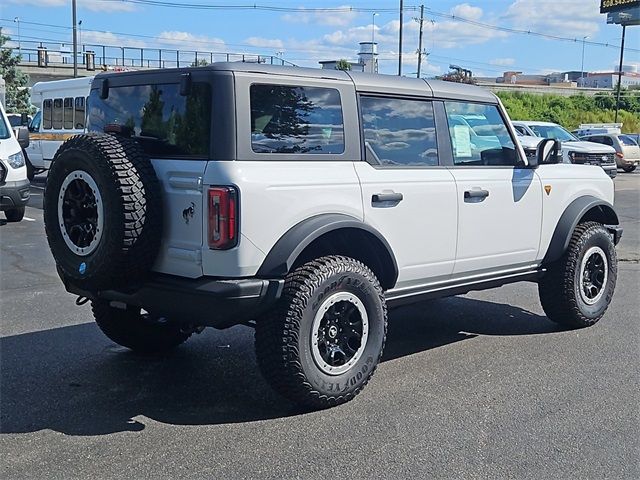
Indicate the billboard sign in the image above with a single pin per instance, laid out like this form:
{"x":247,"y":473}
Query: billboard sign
{"x":607,"y":6}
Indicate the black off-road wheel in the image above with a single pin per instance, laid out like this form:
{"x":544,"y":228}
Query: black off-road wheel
{"x":138,"y":331}
{"x":629,"y":168}
{"x":15,"y":214}
{"x":322,"y":343}
{"x":577,"y":289}
{"x":102,"y":211}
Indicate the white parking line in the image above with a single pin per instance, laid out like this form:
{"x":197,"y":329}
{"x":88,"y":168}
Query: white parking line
{"x":29,"y":219}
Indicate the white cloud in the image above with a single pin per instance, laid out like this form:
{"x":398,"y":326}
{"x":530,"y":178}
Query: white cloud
{"x":466,"y":11}
{"x":109,"y":38}
{"x":567,"y":17}
{"x":93,"y":5}
{"x":333,"y":19}
{"x":264,"y":42}
{"x":503,"y":62}
{"x":189,"y":41}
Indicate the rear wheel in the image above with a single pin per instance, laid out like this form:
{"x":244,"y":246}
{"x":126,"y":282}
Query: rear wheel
{"x":15,"y":214}
{"x":137,"y":330}
{"x":323,"y":342}
{"x":577,"y":289}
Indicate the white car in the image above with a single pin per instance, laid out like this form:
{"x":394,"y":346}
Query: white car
{"x":574,"y":150}
{"x":14,"y":185}
{"x":305,"y":206}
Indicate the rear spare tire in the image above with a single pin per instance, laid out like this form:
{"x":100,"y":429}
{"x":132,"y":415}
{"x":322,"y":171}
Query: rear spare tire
{"x":102,"y":211}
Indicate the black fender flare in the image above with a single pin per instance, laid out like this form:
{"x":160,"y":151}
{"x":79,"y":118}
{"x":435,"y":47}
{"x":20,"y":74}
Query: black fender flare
{"x":286,"y":250}
{"x":569,"y":219}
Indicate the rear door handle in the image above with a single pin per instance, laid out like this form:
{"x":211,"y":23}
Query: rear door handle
{"x":386,"y":197}
{"x":476,"y":193}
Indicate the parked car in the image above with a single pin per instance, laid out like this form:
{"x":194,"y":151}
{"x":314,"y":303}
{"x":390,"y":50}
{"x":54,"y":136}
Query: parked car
{"x":627,"y":149}
{"x":529,"y":144}
{"x":304,"y":206}
{"x":573,"y":149}
{"x":14,"y":185}
{"x":18,"y":119}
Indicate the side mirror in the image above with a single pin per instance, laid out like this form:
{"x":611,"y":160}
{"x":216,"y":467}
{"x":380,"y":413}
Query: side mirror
{"x":22,"y":134}
{"x":548,"y":152}
{"x":185,"y":84}
{"x":24,"y":120}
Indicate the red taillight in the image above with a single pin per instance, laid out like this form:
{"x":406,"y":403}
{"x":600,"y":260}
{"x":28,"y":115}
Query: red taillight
{"x":619,"y":155}
{"x":223,"y":231}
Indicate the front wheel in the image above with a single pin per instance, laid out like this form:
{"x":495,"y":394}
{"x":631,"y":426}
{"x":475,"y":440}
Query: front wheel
{"x":322,"y":344}
{"x":138,"y":331}
{"x":629,"y":168}
{"x":577,"y":289}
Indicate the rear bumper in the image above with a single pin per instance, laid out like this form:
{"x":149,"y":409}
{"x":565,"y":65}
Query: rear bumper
{"x":203,"y":301}
{"x":14,"y":194}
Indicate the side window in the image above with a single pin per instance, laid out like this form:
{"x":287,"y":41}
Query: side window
{"x":165,"y":123}
{"x":68,"y":113}
{"x":608,"y":141}
{"x":289,"y":119}
{"x":521,"y":130}
{"x":399,"y":131}
{"x":34,"y":126}
{"x":57,"y":113}
{"x":79,"y":113}
{"x":479,"y":135}
{"x":47,"y":114}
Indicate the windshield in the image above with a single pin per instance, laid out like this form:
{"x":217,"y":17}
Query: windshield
{"x":627,"y":140}
{"x":553,"y":131}
{"x":4,"y":129}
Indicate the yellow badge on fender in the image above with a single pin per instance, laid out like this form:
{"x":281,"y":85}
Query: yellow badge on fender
{"x":547,"y":188}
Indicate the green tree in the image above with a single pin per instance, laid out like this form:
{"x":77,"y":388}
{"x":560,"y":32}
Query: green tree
{"x":17,"y":93}
{"x":343,"y":64}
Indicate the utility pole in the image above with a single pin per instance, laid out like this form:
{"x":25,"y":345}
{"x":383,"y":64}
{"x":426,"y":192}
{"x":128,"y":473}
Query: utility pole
{"x":75,"y":38}
{"x":624,"y":28}
{"x":582,"y":66}
{"x":17,"y":20}
{"x":400,"y":40}
{"x":420,"y":41}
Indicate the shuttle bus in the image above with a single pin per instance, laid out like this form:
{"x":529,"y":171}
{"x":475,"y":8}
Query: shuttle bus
{"x":61,"y":114}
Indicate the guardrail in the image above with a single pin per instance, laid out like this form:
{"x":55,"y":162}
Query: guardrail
{"x":98,"y":56}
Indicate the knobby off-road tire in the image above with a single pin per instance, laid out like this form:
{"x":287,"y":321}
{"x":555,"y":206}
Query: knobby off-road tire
{"x":14,"y":214}
{"x":577,"y":289}
{"x":102,"y":211}
{"x":140,"y":332}
{"x":330,"y":305}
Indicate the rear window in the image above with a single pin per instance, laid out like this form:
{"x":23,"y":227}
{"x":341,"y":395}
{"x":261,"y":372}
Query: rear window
{"x":164,"y":122}
{"x":289,"y":119}
{"x":626,"y":140}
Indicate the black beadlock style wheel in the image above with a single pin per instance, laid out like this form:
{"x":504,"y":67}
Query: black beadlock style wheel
{"x":322,"y":343}
{"x":137,"y":330}
{"x":577,"y":289}
{"x":102,"y":211}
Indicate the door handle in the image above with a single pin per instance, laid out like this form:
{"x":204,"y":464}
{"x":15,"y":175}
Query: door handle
{"x":386,"y":197}
{"x":476,"y":193}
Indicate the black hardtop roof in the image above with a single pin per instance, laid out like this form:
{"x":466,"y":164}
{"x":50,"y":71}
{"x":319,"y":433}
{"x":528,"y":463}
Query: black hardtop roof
{"x":364,"y":82}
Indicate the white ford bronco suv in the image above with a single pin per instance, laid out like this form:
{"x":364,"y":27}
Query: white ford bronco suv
{"x":304,"y":203}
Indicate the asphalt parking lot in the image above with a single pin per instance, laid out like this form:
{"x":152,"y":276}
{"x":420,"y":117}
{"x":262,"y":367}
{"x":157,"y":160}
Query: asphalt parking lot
{"x":476,"y":386}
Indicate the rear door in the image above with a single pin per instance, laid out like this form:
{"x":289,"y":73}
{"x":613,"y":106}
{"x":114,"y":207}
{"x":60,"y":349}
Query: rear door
{"x":499,"y":201}
{"x":407,"y":194}
{"x":175,"y":131}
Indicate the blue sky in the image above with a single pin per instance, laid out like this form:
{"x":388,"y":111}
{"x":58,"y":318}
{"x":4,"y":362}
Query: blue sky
{"x":306,"y":36}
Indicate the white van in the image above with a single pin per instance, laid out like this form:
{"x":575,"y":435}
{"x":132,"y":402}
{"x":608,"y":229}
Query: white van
{"x":14,"y":186}
{"x":61,"y":114}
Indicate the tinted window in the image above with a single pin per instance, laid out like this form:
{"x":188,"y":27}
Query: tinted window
{"x":68,"y":113}
{"x":57,"y":113}
{"x":47,"y":114}
{"x":34,"y":126}
{"x":627,"y":140}
{"x":164,"y":122}
{"x":4,"y":129}
{"x":479,"y":135}
{"x":79,"y":113}
{"x":399,"y":132}
{"x":296,"y":120}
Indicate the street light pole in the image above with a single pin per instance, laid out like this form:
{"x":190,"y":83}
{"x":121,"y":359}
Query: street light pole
{"x":17,"y":20}
{"x":75,"y":38}
{"x":400,"y":39}
{"x":373,"y":42}
{"x":420,"y":41}
{"x":624,"y":29}
{"x":582,"y":67}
